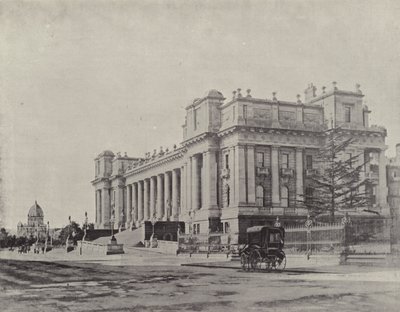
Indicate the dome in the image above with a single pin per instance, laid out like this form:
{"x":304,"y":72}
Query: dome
{"x":107,"y":153}
{"x":215,"y":94}
{"x":35,"y":211}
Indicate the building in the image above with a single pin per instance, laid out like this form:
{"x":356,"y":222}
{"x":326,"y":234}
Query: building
{"x":242,"y":162}
{"x":393,"y":182}
{"x":35,"y":226}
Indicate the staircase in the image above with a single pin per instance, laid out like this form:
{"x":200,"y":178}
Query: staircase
{"x":133,"y":238}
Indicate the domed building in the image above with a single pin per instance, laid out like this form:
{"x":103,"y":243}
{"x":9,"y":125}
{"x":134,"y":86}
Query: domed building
{"x":35,"y":225}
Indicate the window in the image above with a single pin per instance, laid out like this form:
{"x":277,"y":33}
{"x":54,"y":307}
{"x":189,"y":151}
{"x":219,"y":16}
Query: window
{"x":373,"y":198}
{"x":349,"y":156}
{"x":284,"y":197}
{"x":244,"y":112}
{"x":309,"y":195}
{"x":260,"y":196}
{"x":195,"y":118}
{"x":98,"y":167}
{"x":285,"y":160}
{"x":260,"y":160}
{"x":227,"y":161}
{"x":309,"y":162}
{"x":347,"y":114}
{"x":233,"y":113}
{"x":227,"y":227}
{"x":227,"y":196}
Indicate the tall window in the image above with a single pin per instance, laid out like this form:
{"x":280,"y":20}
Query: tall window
{"x":284,"y":197}
{"x":260,"y":196}
{"x":349,"y":156}
{"x":309,"y":195}
{"x":260,"y":160}
{"x":285,"y":160}
{"x":227,"y":161}
{"x":244,"y":112}
{"x":228,"y":196}
{"x":347,"y":114}
{"x":195,"y":117}
{"x":309,"y":162}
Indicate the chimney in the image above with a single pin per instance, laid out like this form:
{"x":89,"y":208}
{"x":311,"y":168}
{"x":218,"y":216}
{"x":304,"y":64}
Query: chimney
{"x":309,"y":93}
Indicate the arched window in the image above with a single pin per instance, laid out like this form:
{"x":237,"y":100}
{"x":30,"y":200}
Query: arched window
{"x":260,"y":196}
{"x":284,"y":197}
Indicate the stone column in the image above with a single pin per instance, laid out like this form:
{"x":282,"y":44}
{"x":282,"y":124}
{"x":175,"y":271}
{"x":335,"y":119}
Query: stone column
{"x":251,"y":179}
{"x":105,"y":207}
{"x":128,"y":206}
{"x":299,"y":175}
{"x":146,"y":208}
{"x":195,"y":182}
{"x":275,"y":176}
{"x":167,"y":195}
{"x":189,"y":185}
{"x":121,"y":212}
{"x":134,"y":212}
{"x":140,"y":206}
{"x":175,"y":194}
{"x":210,"y":180}
{"x":240,"y":176}
{"x":160,"y":197}
{"x":152,"y":197}
{"x":98,"y":209}
{"x":382,"y":187}
{"x":183,"y":189}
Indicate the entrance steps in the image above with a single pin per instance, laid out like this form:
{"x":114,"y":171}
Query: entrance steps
{"x":128,"y":238}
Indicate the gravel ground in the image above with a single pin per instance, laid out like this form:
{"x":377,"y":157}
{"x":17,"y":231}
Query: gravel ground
{"x":72,"y":286}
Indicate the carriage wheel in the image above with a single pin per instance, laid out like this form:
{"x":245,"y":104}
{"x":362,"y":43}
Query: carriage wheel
{"x":244,"y":261}
{"x":255,"y":260}
{"x":280,"y":263}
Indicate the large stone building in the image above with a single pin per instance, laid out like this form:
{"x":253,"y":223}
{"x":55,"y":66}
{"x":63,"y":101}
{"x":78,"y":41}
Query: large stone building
{"x":242,"y":161}
{"x":35,"y":226}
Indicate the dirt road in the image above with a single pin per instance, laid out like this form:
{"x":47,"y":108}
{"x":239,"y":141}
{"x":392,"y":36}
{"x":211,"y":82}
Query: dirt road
{"x":45,"y":286}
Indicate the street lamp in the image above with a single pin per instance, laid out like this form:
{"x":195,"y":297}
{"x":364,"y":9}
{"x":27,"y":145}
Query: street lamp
{"x":85,"y":225}
{"x":112,"y":220}
{"x":69,"y":230}
{"x":47,"y":236}
{"x":308,"y":225}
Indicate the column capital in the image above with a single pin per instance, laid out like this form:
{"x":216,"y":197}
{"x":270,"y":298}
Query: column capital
{"x":275,"y":147}
{"x":299,"y":149}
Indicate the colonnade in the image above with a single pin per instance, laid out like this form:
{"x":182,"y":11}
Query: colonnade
{"x":157,"y":197}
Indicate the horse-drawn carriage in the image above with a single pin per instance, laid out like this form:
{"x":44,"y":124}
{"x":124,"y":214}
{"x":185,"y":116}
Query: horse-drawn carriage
{"x":264,"y":249}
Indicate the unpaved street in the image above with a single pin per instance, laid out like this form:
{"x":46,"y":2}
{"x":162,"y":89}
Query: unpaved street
{"x":45,"y":286}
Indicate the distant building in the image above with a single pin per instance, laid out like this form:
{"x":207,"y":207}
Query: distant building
{"x":242,"y":162}
{"x":35,"y":225}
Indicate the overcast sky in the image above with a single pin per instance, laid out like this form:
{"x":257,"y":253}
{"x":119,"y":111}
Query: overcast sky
{"x":79,"y":77}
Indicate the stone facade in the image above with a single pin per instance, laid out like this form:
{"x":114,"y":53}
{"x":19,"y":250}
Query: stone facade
{"x":35,"y":226}
{"x":393,"y":181}
{"x":242,"y":162}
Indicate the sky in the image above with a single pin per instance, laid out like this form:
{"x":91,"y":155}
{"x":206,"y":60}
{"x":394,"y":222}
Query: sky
{"x":80,"y":77}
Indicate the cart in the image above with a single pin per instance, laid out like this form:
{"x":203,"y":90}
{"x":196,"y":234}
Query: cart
{"x":263,"y":250}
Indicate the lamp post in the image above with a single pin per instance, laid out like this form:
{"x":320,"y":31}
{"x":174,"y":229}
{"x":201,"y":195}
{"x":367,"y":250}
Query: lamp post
{"x":112,"y":220}
{"x":277,"y":222}
{"x":69,"y":230}
{"x":47,"y":236}
{"x":85,"y":225}
{"x":308,"y":225}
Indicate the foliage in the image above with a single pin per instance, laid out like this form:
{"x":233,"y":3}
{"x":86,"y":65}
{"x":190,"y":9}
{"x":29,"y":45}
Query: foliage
{"x":338,"y":184}
{"x":73,"y":230}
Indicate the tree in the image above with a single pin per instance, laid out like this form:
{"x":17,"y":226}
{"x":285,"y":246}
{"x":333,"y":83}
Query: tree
{"x":338,"y":184}
{"x":73,"y":230}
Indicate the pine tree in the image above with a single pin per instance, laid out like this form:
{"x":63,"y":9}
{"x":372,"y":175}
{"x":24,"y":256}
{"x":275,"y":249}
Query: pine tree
{"x":337,"y":184}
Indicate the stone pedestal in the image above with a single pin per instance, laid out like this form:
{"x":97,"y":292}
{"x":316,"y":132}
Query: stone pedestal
{"x":113,"y":248}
